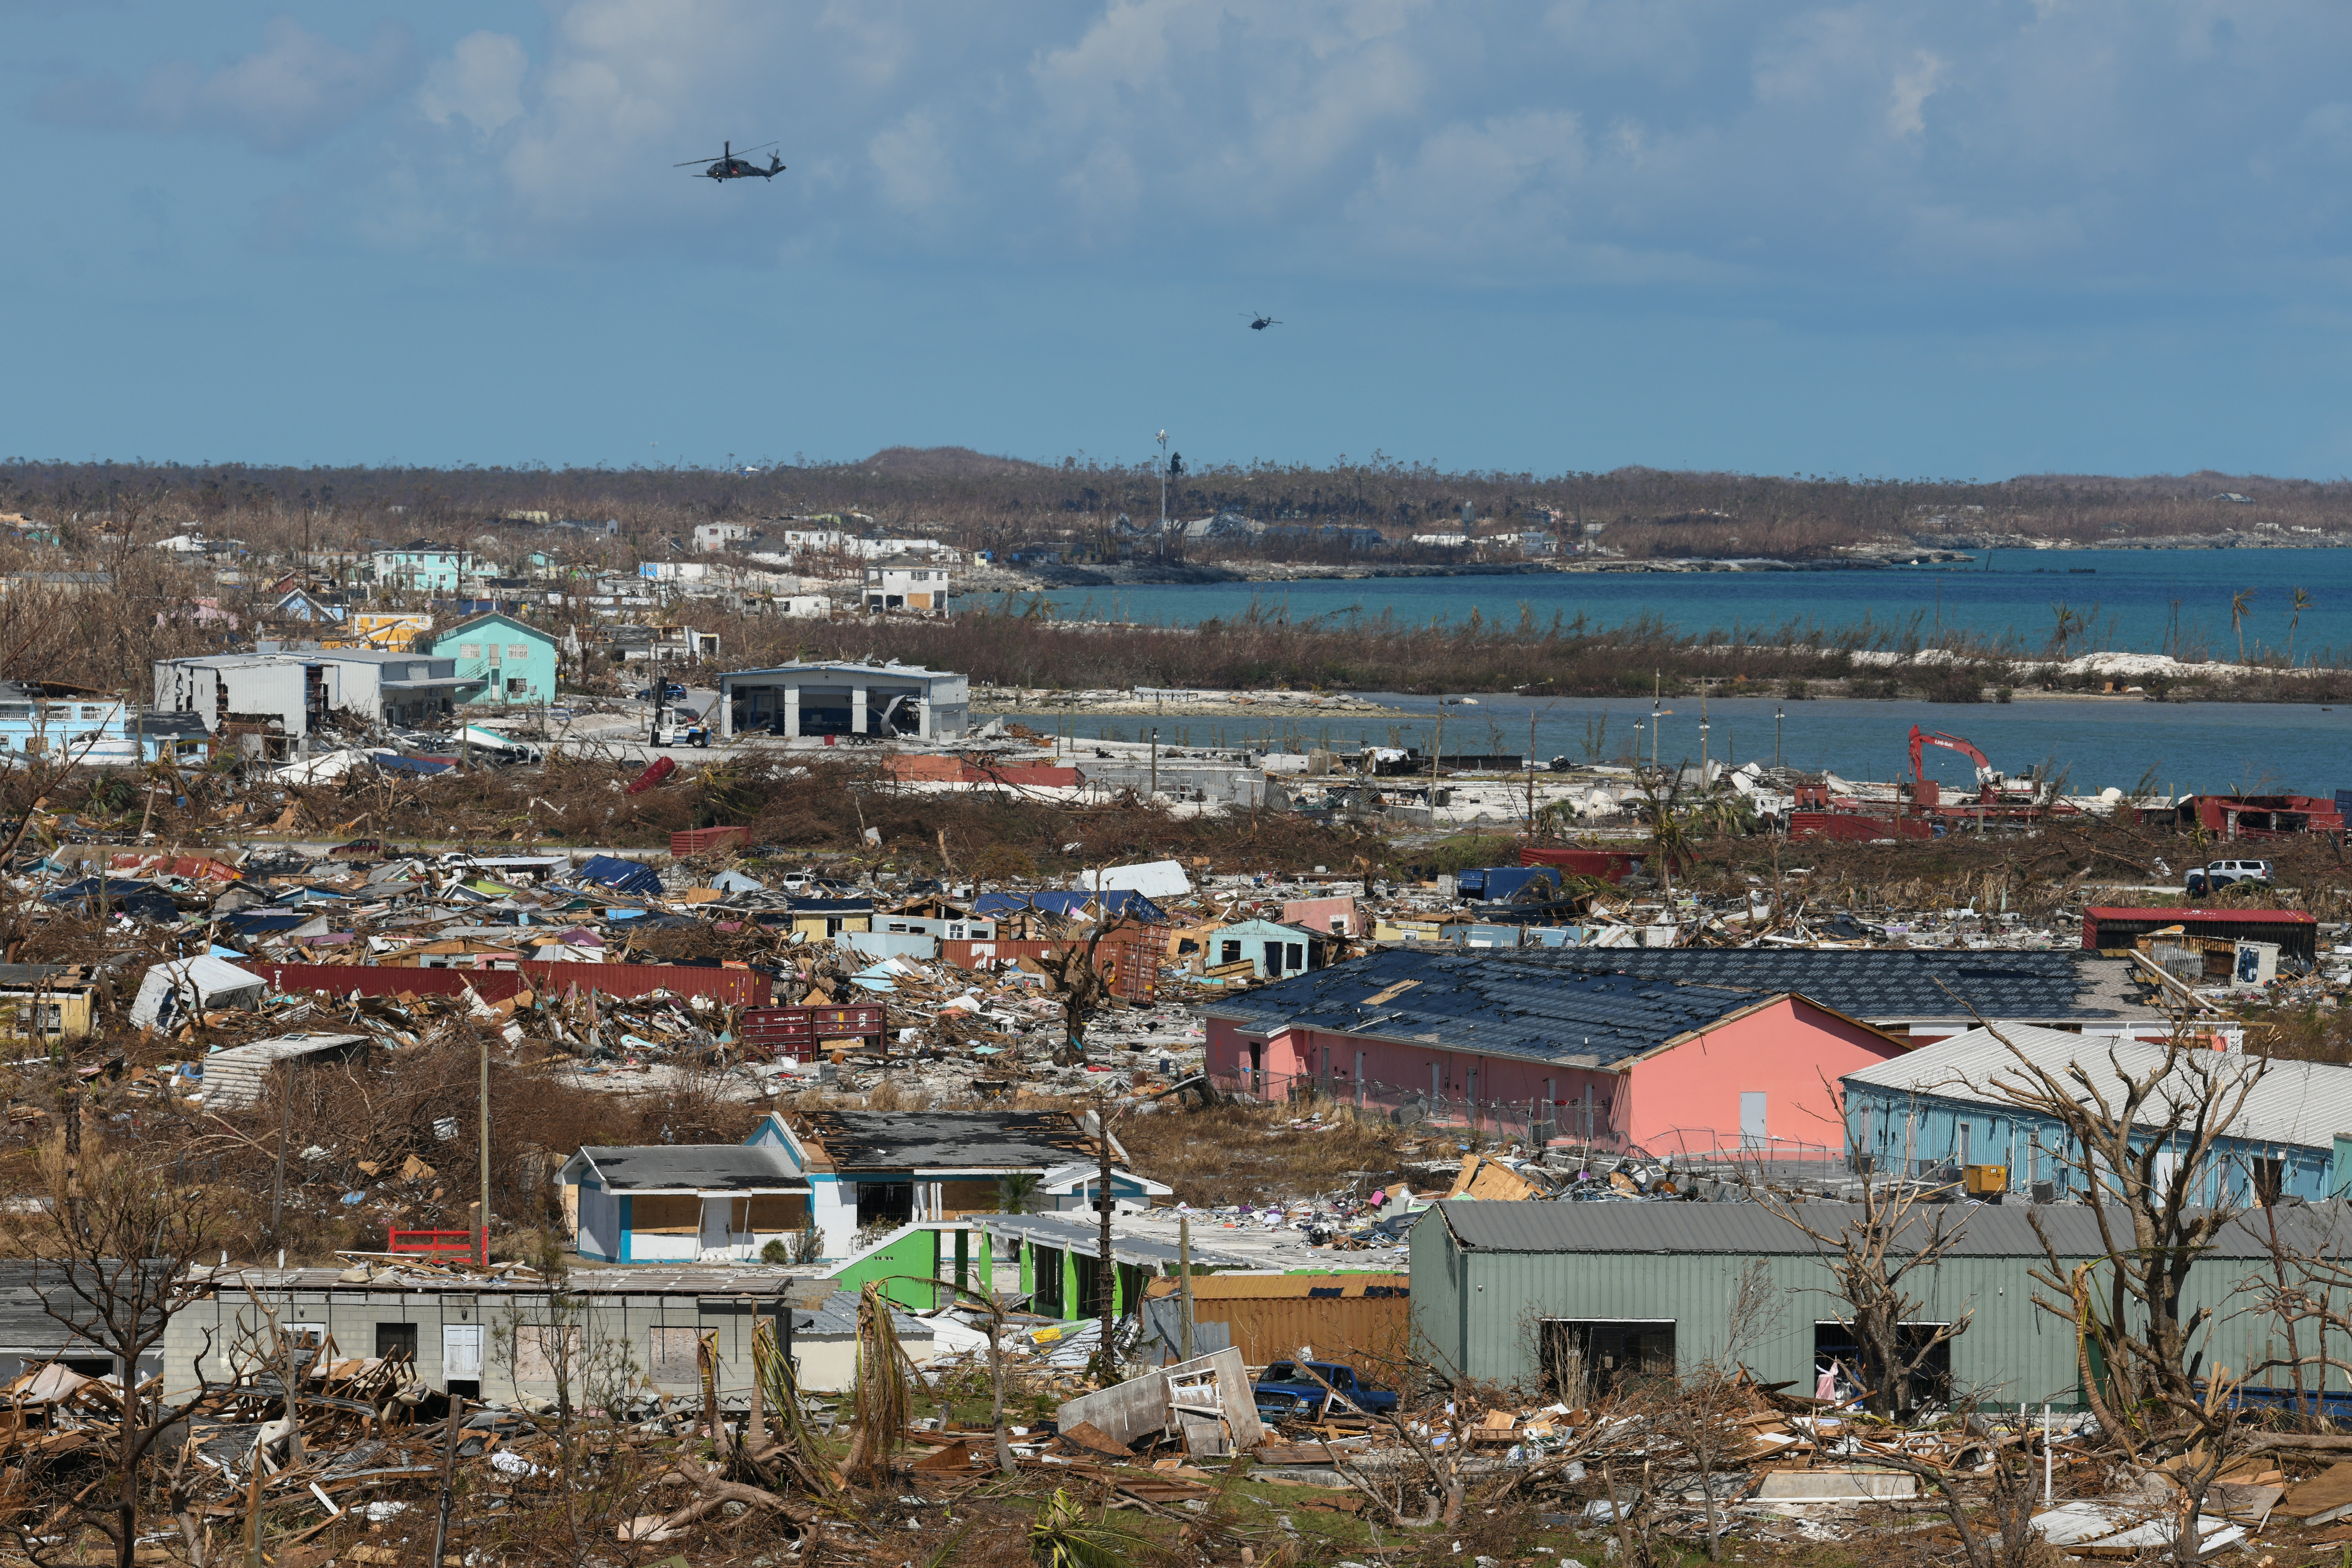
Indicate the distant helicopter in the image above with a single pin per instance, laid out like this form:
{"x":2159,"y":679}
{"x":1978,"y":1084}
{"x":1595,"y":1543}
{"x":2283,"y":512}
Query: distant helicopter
{"x":727,"y":166}
{"x":1259,"y":323}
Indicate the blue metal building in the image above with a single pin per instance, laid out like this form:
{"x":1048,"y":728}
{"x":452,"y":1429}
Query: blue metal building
{"x":1944,"y":1105}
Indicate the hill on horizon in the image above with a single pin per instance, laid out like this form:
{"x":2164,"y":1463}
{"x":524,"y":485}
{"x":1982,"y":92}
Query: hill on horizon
{"x":945,"y":463}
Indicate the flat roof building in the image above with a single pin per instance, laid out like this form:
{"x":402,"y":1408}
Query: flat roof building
{"x":902,"y":700}
{"x":295,"y":689}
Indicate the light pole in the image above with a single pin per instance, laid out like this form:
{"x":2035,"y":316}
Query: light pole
{"x":1777,"y":714}
{"x":1702,"y":734}
{"x":1162,"y":438}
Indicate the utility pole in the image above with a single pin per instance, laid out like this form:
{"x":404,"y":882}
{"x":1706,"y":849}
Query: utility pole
{"x":484,"y":1161}
{"x":285,"y":1134}
{"x":1163,"y":483}
{"x":1184,"y":1287}
{"x":1155,"y":765}
{"x":1105,"y":1271}
{"x":1779,"y":713}
{"x":1531,"y":773}
{"x":1702,"y":734}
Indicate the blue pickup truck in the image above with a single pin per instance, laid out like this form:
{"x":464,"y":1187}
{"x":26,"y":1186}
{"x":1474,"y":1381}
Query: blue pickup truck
{"x":1284,"y":1393}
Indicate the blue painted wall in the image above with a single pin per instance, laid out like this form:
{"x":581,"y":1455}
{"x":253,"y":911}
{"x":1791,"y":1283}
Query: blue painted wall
{"x":1900,"y":1130}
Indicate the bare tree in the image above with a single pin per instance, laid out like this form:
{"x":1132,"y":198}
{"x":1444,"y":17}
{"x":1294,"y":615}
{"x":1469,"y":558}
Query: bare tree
{"x":2143,"y":1130}
{"x":2144,"y":1135}
{"x":114,"y":1240}
{"x":1889,"y":1242}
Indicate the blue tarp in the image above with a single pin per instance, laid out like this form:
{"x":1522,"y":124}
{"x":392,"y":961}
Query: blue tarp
{"x":621,"y":875}
{"x":1117,"y":901}
{"x":260,"y":922}
{"x":393,"y":762}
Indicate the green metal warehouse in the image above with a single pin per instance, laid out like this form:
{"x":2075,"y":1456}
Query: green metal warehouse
{"x":1524,"y":1292}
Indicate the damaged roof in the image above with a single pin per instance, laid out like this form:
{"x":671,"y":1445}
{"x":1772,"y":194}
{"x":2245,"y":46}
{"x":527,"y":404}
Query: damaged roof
{"x":687,"y":1168}
{"x":1497,"y":1003}
{"x":1984,"y":1230}
{"x":1603,"y":1006}
{"x":949,"y":1140}
{"x":1882,"y":983}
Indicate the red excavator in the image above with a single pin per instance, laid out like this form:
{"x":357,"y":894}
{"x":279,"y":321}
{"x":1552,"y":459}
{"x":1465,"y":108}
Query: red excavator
{"x":1923,"y":790}
{"x":1995,"y":797}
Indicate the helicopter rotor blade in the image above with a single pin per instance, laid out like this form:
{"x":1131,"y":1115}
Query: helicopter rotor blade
{"x":762,"y":147}
{"x":714,"y":158}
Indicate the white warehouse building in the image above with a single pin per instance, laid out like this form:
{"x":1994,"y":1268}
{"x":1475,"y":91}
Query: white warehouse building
{"x":904,"y":700}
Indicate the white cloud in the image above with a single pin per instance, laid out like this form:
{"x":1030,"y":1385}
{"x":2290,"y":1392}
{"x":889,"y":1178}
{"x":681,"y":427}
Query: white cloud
{"x":297,"y":89}
{"x":911,"y":157}
{"x":481,"y":82}
{"x":1907,"y":111}
{"x":1719,"y":143}
{"x":1472,"y":190}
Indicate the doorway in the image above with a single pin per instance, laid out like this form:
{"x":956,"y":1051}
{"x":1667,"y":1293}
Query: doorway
{"x":461,"y":1359}
{"x":1585,"y":1359}
{"x":1930,"y":1380}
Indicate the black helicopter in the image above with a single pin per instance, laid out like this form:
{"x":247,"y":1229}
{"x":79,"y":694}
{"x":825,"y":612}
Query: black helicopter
{"x":1258,"y":322}
{"x":727,"y":166}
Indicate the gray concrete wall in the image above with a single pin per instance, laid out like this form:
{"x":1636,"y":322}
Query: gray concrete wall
{"x":616,"y":1330}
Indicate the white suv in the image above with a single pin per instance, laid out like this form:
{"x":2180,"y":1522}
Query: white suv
{"x":2221,"y":873}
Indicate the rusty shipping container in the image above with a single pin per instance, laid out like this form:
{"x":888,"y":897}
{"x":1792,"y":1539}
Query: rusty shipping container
{"x":1364,"y":1320}
{"x":701,"y":840}
{"x":1129,"y":961}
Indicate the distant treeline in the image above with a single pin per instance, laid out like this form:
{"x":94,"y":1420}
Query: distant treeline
{"x":1566,"y":656}
{"x":982,"y":502}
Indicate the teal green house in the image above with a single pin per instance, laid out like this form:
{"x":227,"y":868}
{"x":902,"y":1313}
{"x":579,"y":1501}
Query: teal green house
{"x":501,"y":661}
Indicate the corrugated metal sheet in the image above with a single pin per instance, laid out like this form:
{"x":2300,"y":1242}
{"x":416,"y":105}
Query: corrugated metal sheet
{"x":1247,"y":1287}
{"x":697,"y":840}
{"x":736,"y":987}
{"x":1480,"y":1311}
{"x":2301,"y":1103}
{"x":1988,"y":1230}
{"x":235,"y":1077}
{"x":1342,"y":1328}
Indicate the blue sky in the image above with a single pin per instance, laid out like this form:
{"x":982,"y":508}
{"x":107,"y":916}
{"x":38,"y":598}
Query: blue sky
{"x":1956,"y":239}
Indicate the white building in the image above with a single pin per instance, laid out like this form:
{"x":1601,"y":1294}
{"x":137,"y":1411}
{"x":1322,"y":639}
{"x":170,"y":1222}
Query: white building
{"x":907,"y":588}
{"x":884,"y":699}
{"x":719,"y":536}
{"x":803,"y":607}
{"x":292,"y":692}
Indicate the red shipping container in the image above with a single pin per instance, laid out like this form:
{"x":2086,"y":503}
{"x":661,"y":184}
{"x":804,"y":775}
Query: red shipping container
{"x":797,"y":1033}
{"x":702,"y":840}
{"x":1609,"y":865}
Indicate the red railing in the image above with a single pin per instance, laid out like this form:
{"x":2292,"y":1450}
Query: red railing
{"x":468,"y":1243}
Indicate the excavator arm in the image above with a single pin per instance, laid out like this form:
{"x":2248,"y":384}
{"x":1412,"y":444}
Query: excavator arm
{"x":1922,"y":739}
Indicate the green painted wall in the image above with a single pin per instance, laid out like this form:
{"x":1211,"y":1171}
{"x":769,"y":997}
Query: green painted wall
{"x":925,"y":1253}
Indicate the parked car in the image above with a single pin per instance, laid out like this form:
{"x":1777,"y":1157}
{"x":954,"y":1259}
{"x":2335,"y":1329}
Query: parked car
{"x":2215,"y":874}
{"x":1282,"y":1393}
{"x":671,"y":691}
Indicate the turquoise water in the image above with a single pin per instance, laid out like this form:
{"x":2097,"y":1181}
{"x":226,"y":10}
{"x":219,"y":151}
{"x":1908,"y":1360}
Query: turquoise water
{"x":2149,"y":601}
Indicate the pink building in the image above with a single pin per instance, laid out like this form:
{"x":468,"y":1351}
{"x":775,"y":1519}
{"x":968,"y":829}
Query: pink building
{"x":1669,"y":1067}
{"x":1337,"y":915}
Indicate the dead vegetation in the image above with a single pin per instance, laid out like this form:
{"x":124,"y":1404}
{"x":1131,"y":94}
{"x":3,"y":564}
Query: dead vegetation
{"x":1233,"y":1153}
